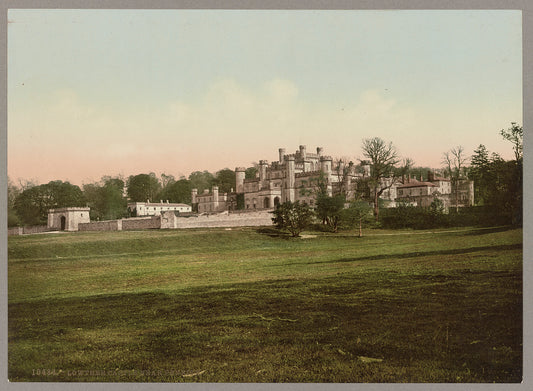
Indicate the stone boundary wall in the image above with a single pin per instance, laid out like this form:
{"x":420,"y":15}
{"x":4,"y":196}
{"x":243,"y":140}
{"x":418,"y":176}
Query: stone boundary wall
{"x":34,"y":229}
{"x":152,"y":222}
{"x":250,"y":219}
{"x":168,"y":220}
{"x":108,"y":225}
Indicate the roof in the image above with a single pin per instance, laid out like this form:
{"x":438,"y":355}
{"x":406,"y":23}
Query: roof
{"x":159,"y":204}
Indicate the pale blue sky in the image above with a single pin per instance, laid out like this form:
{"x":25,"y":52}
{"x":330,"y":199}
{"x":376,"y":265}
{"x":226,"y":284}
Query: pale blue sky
{"x":125,"y":91}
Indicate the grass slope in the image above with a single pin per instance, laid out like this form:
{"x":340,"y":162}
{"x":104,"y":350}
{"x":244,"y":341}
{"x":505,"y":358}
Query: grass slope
{"x":240,"y":306}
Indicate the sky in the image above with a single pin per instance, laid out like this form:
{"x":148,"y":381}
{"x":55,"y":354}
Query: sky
{"x":124,"y":92}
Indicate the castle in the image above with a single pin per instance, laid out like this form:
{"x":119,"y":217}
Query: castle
{"x":291,"y":178}
{"x":295,"y":177}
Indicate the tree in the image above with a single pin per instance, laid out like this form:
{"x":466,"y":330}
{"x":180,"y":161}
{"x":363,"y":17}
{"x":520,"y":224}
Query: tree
{"x":106,"y":199}
{"x":356,"y":214}
{"x":12,"y":193}
{"x":179,"y":191}
{"x":480,"y":174}
{"x":454,"y":161}
{"x":32,"y":204}
{"x":341,"y":169}
{"x":143,"y":187}
{"x":292,"y":216}
{"x":329,"y":209}
{"x":515,"y":134}
{"x":167,"y":180}
{"x":201,"y":180}
{"x":251,"y":172}
{"x":225,"y":180}
{"x":383,"y":168}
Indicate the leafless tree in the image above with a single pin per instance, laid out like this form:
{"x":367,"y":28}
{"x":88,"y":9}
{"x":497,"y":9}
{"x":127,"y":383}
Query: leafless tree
{"x":454,"y":161}
{"x":384,"y":169}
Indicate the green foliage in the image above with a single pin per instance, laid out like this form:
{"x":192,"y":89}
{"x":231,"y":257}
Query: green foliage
{"x":201,"y":180}
{"x":293,"y":217}
{"x":143,"y":187}
{"x":407,"y":216}
{"x":12,"y":193}
{"x":32,"y":204}
{"x":106,"y":199}
{"x":498,"y":183}
{"x":357,"y":214}
{"x":515,"y":134}
{"x":177,"y":191}
{"x":250,"y":173}
{"x":225,"y":180}
{"x":329,"y":209}
{"x":240,"y":201}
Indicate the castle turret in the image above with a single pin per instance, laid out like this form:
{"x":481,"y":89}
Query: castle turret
{"x":290,"y":195}
{"x":194,"y":193}
{"x":319,"y":151}
{"x":239,"y":179}
{"x":215,"y":198}
{"x":366,"y":168}
{"x":303,"y":153}
{"x":325,"y":167}
{"x":262,"y":170}
{"x":281,"y":154}
{"x":348,"y":179}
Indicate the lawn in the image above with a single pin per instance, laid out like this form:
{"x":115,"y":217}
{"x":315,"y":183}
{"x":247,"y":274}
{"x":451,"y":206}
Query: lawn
{"x":242,"y":305}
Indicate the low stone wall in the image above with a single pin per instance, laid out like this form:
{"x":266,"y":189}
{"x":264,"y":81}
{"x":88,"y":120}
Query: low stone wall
{"x":152,"y":222}
{"x":34,"y":229}
{"x":15,"y":231}
{"x":109,"y":225}
{"x":250,"y":219}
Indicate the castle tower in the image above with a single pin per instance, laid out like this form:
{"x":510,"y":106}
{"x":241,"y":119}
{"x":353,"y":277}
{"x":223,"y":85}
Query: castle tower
{"x":325,"y":166}
{"x":366,"y":168}
{"x":262,"y":171}
{"x":281,"y":154}
{"x":194,"y":193}
{"x":239,"y":179}
{"x":303,"y":153}
{"x":215,"y":198}
{"x":290,"y":194}
{"x":319,"y":151}
{"x":348,"y":181}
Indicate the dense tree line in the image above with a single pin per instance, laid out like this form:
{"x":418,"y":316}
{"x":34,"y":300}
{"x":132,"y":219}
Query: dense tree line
{"x":28,"y":203}
{"x":497,"y":187}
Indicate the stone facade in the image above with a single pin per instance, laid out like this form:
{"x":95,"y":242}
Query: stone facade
{"x":295,"y":177}
{"x":154,"y":209}
{"x":423,"y":193}
{"x":67,"y":219}
{"x":210,"y":202}
{"x":225,"y":219}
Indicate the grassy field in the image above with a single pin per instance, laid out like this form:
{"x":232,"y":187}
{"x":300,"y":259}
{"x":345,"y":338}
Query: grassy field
{"x":241,"y":305}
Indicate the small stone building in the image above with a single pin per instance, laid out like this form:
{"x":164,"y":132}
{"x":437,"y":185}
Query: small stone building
{"x":67,"y":219}
{"x":156,"y":208}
